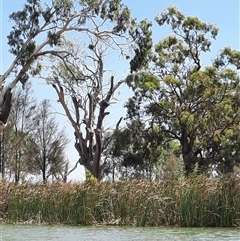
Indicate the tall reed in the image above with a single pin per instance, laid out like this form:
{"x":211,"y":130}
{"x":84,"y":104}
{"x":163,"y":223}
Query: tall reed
{"x":193,"y":202}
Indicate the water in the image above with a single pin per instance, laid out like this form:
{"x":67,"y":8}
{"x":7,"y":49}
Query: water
{"x":73,"y":233}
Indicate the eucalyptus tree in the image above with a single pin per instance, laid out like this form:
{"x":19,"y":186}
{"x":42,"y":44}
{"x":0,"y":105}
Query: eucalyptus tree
{"x":86,"y":89}
{"x":86,"y":86}
{"x":196,"y":105}
{"x":40,"y":27}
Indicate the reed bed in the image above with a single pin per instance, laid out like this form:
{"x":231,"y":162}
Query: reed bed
{"x":192,"y":202}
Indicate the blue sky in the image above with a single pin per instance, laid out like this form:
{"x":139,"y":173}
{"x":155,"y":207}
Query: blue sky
{"x":224,"y":14}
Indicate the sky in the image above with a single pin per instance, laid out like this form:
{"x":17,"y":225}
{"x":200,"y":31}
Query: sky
{"x":224,"y":14}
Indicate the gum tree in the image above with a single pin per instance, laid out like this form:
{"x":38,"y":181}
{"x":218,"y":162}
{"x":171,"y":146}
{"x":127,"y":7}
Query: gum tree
{"x":38,"y":32}
{"x":83,"y":81}
{"x":85,"y":90}
{"x":196,"y":105}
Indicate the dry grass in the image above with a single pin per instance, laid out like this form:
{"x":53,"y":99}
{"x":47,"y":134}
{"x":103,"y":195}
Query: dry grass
{"x":193,"y":202}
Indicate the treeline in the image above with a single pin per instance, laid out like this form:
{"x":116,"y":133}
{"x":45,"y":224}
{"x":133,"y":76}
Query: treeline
{"x":183,"y":116}
{"x":32,"y":147}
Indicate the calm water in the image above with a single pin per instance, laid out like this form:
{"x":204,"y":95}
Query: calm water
{"x":69,"y":233}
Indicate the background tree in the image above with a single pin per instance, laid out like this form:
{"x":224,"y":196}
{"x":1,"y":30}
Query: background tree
{"x":15,"y":135}
{"x":137,"y":151}
{"x":194,"y":105}
{"x":24,"y":155}
{"x":138,"y":148}
{"x":22,"y":121}
{"x":47,"y":145}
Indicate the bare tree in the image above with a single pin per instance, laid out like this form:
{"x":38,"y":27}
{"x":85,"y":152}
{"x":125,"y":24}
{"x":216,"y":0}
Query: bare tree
{"x":85,"y":90}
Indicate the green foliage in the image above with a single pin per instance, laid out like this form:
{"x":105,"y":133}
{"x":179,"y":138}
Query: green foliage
{"x":145,"y":81}
{"x":198,"y":107}
{"x":90,"y":179}
{"x":26,"y":26}
{"x":139,"y":157}
{"x":187,"y":26}
{"x":142,"y":36}
{"x":54,"y":39}
{"x":41,"y":24}
{"x":63,"y":7}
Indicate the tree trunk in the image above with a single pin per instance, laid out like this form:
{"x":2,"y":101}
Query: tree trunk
{"x":44,"y":168}
{"x":2,"y":157}
{"x":187,"y":141}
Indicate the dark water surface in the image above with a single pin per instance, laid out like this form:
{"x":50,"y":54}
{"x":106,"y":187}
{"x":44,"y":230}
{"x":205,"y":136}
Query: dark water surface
{"x":73,"y":233}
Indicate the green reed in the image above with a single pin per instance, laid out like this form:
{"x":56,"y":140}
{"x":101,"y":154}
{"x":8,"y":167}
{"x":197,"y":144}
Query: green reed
{"x":192,"y":202}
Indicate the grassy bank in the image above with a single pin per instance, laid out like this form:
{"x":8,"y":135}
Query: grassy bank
{"x":194,"y":202}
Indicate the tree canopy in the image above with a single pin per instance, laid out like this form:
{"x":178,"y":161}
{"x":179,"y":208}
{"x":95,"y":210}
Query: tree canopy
{"x":40,"y":26}
{"x":196,"y":105}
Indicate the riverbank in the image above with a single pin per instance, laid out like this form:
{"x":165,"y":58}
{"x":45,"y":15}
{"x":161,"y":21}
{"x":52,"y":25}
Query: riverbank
{"x":192,"y":202}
